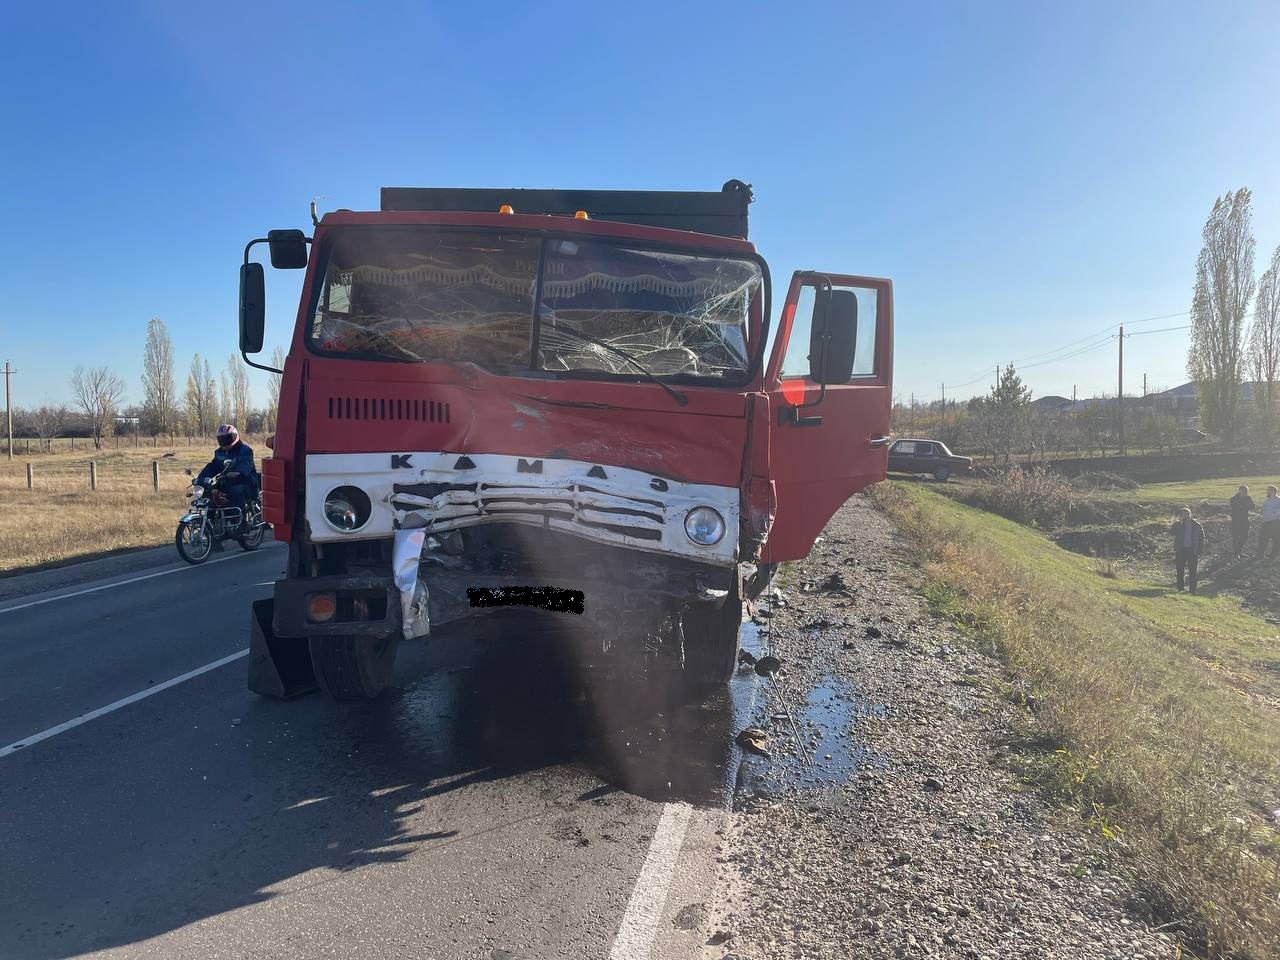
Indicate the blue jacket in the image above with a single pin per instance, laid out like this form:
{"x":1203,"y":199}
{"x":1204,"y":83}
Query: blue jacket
{"x":241,"y":456}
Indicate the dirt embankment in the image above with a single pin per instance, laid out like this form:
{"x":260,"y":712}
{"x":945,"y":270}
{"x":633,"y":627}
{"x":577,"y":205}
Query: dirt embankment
{"x":888,"y":819}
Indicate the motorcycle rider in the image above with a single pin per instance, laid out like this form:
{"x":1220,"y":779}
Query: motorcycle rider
{"x":240,"y":483}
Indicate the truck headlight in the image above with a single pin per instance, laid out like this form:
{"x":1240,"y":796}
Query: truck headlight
{"x":704,"y":526}
{"x":347,"y":508}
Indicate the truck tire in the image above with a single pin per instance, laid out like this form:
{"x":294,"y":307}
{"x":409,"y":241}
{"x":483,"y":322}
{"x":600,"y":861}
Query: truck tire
{"x":711,"y":641}
{"x":353,"y":668}
{"x":942,"y":474}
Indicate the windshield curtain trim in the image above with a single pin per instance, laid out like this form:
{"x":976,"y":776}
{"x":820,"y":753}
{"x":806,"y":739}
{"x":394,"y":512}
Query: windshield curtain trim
{"x":755,"y":360}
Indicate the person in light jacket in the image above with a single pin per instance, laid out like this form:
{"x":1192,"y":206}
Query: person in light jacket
{"x":1269,"y":532}
{"x":1188,"y":542}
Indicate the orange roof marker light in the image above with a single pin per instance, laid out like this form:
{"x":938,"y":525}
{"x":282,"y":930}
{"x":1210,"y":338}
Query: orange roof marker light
{"x":506,"y":208}
{"x":582,"y":215}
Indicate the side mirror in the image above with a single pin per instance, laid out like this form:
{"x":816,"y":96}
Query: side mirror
{"x":253,"y":307}
{"x":833,"y":339}
{"x":288,"y":249}
{"x":187,"y":471}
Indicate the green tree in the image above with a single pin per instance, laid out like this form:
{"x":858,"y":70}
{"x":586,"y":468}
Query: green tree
{"x":1224,"y":287}
{"x":1001,"y":419}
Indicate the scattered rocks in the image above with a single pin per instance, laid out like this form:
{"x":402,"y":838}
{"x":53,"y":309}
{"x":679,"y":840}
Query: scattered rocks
{"x":926,"y":846}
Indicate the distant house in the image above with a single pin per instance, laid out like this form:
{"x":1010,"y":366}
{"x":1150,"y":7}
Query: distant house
{"x":1184,"y":401}
{"x":1050,"y":404}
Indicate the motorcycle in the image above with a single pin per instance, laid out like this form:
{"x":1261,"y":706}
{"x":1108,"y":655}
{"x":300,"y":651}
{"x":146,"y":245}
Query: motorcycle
{"x":210,"y":519}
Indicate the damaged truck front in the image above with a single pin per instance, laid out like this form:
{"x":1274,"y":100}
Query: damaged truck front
{"x":552,"y":399}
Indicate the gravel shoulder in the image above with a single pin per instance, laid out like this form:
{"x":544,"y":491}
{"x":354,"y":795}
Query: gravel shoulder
{"x":887,"y":819}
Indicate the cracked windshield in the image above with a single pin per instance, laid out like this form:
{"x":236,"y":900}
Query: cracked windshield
{"x":470,"y":297}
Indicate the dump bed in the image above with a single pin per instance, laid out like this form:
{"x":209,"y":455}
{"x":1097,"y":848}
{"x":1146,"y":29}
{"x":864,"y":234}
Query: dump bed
{"x":722,"y":212}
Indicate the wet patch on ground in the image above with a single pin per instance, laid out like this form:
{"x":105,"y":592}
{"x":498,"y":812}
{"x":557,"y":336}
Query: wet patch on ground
{"x":499,"y":707}
{"x":814,"y":746}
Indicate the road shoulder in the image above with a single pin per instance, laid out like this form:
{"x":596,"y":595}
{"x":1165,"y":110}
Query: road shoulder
{"x":888,"y":819}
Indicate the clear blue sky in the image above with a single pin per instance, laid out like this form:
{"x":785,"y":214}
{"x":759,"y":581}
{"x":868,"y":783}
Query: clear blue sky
{"x":1027,"y":173}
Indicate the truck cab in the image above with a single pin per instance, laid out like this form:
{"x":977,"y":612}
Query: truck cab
{"x":560,"y":400}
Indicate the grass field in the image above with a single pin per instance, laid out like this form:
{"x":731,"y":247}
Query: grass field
{"x":1195,"y":492}
{"x":62,"y":519}
{"x":1155,"y":714}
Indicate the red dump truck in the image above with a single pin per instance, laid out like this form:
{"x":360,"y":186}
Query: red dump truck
{"x":563,"y":399}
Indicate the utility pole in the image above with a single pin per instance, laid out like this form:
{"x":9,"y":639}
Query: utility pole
{"x":8,"y":404}
{"x":944,"y":404}
{"x":1144,"y":386}
{"x":1120,"y":395}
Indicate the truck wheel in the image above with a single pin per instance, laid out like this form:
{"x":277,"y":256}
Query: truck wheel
{"x":942,"y":474}
{"x":711,"y":641}
{"x":353,"y":668}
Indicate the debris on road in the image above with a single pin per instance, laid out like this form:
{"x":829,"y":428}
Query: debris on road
{"x":755,"y":740}
{"x":767,"y":666}
{"x":833,"y":858}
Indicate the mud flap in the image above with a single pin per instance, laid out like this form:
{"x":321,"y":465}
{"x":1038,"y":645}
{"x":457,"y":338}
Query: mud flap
{"x":279,"y":667}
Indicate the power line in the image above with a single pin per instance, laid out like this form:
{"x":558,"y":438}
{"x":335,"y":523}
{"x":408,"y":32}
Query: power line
{"x":1081,"y":346}
{"x":1143,"y":333}
{"x":1069,"y":356}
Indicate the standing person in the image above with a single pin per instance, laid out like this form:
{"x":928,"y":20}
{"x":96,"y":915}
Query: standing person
{"x":1241,"y":506}
{"x":1188,"y":541}
{"x":1269,"y":533}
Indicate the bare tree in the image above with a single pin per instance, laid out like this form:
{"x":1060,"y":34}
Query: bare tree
{"x":158,"y":391}
{"x":97,"y":391}
{"x":48,"y":420}
{"x":273,"y":392}
{"x":235,"y":391}
{"x":201,"y":398}
{"x":1224,"y":287}
{"x":1264,"y":340}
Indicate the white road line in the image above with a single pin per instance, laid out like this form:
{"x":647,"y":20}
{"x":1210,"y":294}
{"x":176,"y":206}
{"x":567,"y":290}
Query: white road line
{"x":119,"y":583}
{"x":132,"y":698}
{"x":649,"y":896}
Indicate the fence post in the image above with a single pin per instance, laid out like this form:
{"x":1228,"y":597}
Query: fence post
{"x":93,"y":474}
{"x":155,"y":475}
{"x":31,"y":476}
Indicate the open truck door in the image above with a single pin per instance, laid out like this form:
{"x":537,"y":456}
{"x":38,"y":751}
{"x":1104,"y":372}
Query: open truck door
{"x":830,"y":383}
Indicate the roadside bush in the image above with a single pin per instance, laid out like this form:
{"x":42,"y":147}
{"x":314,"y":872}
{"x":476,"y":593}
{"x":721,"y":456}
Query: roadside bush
{"x":1033,"y":496}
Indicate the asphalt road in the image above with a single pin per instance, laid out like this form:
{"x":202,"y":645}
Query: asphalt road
{"x":486,"y":807}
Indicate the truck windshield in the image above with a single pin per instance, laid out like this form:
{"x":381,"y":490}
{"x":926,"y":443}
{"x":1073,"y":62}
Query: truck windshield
{"x":512,"y":302}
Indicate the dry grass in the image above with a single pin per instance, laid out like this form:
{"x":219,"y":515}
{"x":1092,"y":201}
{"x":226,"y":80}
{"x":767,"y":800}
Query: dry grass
{"x":62,"y":519}
{"x":1161,"y":711}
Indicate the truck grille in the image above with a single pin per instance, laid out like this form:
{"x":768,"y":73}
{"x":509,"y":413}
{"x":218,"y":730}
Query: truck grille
{"x":561,"y":505}
{"x":388,"y":408}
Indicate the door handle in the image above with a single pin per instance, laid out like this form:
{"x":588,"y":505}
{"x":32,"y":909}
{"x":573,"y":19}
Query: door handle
{"x":793,"y":416}
{"x":879,"y":441}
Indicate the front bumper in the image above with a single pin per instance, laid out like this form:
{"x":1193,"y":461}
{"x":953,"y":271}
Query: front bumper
{"x":369,"y":604}
{"x":604,"y":504}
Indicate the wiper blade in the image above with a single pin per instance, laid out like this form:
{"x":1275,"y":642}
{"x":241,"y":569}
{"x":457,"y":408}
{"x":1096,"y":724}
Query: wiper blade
{"x":675,"y":394}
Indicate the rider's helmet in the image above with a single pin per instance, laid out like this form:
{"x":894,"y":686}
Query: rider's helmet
{"x":228,"y":435}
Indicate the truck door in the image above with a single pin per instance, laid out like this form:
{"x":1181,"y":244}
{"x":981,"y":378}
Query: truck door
{"x":826,"y":441}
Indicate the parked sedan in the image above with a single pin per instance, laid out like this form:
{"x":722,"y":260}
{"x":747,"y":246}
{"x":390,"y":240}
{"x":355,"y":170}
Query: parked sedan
{"x":926,"y":456}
